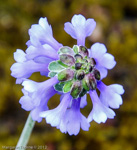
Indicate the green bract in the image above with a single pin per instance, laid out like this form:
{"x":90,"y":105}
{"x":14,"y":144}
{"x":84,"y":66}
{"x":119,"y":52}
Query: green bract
{"x":75,"y":71}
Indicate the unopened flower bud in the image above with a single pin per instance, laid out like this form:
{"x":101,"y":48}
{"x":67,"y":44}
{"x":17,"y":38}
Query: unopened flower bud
{"x":90,"y":68}
{"x":67,"y":59}
{"x":66,"y":50}
{"x":80,"y":75}
{"x":66,"y":75}
{"x":83,"y":51}
{"x":85,"y":83}
{"x":92,"y":82}
{"x":78,"y":57}
{"x":78,"y":66}
{"x":83,"y":92}
{"x":97,"y":74}
{"x":92,"y":61}
{"x":76,"y":89}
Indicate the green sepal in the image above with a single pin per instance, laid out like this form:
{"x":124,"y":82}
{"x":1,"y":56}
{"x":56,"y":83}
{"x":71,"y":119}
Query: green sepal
{"x":52,"y":74}
{"x":67,"y":87}
{"x":54,"y":66}
{"x":76,"y":49}
{"x":59,"y":86}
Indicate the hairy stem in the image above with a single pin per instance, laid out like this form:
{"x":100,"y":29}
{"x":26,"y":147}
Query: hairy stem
{"x":25,"y":135}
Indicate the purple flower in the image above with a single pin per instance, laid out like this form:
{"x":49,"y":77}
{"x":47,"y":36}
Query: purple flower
{"x":74,"y":73}
{"x":111,"y":95}
{"x":100,"y":112}
{"x":103,"y":60}
{"x":80,"y":28}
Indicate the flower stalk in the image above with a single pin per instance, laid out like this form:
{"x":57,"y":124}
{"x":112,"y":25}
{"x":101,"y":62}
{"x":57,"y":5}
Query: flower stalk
{"x":25,"y":135}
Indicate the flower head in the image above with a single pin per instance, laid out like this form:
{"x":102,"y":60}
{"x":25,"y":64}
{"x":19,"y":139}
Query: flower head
{"x":74,"y":72}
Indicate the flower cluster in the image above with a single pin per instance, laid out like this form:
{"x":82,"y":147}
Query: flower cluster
{"x":74,"y":72}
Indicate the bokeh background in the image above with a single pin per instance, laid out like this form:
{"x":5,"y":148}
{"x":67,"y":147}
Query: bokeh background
{"x":116,"y":28}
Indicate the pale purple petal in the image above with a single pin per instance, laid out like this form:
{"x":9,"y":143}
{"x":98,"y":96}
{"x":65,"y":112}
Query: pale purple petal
{"x":43,"y":22}
{"x":19,"y":55}
{"x":76,"y":119}
{"x":54,"y":116}
{"x":19,"y":81}
{"x":108,"y":61}
{"x":80,"y":28}
{"x":40,"y":90}
{"x":103,"y":71}
{"x":70,"y":30}
{"x":43,"y":50}
{"x":90,"y":26}
{"x":36,"y":96}
{"x":26,"y":103}
{"x":98,"y":50}
{"x":34,"y":41}
{"x":35,"y":112}
{"x":28,"y":43}
{"x":42,"y":34}
{"x":83,"y":101}
{"x":30,"y":85}
{"x":103,"y":59}
{"x":100,"y":112}
{"x":43,"y":60}
{"x":117,"y":88}
{"x":111,"y":95}
{"x":73,"y":120}
{"x":84,"y":123}
{"x":25,"y":69}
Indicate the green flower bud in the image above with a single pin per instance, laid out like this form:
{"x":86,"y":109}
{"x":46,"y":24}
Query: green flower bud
{"x":67,"y":87}
{"x":83,"y":92}
{"x":78,"y":58}
{"x":66,"y":75}
{"x":85,"y":83}
{"x":92,"y":81}
{"x":78,"y":66}
{"x":97,"y":74}
{"x":80,"y":75}
{"x":67,"y":59}
{"x":90,"y":68}
{"x":83,"y":51}
{"x":92,"y":61}
{"x":66,"y":50}
{"x":76,"y":89}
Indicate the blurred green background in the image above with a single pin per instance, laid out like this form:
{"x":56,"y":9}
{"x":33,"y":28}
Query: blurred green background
{"x":116,"y":28}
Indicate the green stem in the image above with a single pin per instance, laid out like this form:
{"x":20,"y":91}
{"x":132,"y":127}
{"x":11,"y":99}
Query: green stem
{"x":25,"y":135}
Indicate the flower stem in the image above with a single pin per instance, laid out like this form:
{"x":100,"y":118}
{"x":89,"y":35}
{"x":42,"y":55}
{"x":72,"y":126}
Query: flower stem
{"x":25,"y":135}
